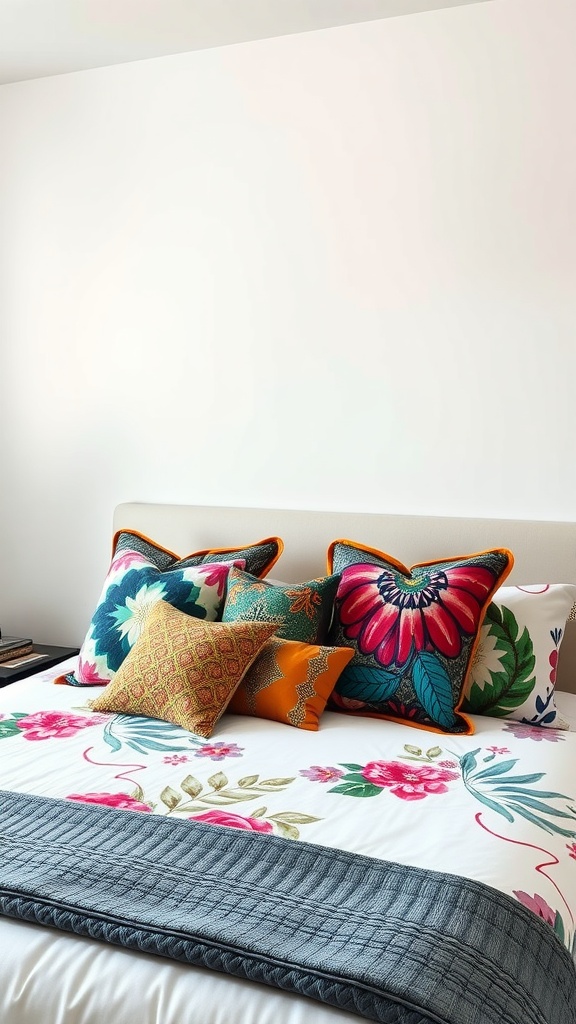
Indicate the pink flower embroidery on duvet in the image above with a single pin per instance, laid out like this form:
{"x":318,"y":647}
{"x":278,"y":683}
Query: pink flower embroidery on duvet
{"x":43,"y":725}
{"x":409,"y":782}
{"x":233,"y":820}
{"x":538,"y":905}
{"x":316,"y":773}
{"x":121,"y":800}
{"x":218,"y":751}
{"x":521,"y":731}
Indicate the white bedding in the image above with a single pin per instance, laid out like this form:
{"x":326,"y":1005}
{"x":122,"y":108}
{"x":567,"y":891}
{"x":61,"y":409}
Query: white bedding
{"x":408,"y":802}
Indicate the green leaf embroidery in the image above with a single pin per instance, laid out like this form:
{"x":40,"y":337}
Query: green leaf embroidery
{"x":356,"y":789}
{"x":353,"y":777}
{"x":559,"y":928}
{"x":510,"y":686}
{"x":9,"y":727}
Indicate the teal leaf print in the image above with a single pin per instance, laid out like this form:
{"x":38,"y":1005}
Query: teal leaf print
{"x":368,"y":683}
{"x":493,"y":805}
{"x":504,"y":766}
{"x":146,"y":734}
{"x":543,"y":794}
{"x":538,"y":805}
{"x":514,"y":795}
{"x":468,"y":762}
{"x":433,"y":688}
{"x":510,"y":686}
{"x":521,"y":780}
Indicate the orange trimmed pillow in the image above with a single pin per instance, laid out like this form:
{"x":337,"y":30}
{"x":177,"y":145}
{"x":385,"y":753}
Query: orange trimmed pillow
{"x":182,"y":669}
{"x":143,"y":572}
{"x":290,"y":682}
{"x":414,"y":631}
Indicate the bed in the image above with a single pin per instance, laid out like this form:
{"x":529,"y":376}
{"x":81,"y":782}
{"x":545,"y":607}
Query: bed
{"x":457,"y":837}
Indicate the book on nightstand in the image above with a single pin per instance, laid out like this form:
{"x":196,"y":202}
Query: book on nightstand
{"x":14,"y":647}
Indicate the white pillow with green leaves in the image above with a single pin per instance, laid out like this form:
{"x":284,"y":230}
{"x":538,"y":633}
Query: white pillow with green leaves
{"x":513,"y":672}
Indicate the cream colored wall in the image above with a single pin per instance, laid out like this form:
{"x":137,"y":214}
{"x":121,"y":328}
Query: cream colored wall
{"x":334,"y":270}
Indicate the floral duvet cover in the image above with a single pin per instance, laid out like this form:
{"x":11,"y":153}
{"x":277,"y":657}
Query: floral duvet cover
{"x":498,"y":807}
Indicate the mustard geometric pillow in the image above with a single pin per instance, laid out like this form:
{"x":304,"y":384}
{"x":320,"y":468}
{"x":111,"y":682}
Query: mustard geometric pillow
{"x":182,"y":669}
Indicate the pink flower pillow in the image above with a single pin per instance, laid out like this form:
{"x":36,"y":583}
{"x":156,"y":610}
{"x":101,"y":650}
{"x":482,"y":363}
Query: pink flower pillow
{"x":413,"y":630}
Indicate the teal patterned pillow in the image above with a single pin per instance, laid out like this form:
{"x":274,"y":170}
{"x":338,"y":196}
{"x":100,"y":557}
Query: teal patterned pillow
{"x":141,"y":574}
{"x":414,"y":631}
{"x":305,"y":609}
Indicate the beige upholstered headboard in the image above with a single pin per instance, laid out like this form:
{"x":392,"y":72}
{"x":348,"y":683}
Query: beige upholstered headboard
{"x":544,"y":552}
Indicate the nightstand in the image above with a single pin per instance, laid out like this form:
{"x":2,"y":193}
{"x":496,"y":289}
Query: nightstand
{"x":50,"y":656}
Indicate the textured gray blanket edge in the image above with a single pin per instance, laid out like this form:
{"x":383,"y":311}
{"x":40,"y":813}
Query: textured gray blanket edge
{"x":388,"y":943}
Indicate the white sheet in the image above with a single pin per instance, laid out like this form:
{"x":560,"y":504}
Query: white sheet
{"x":274,"y":777}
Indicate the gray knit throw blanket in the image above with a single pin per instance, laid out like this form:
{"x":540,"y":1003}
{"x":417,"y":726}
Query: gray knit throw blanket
{"x":389,"y":943}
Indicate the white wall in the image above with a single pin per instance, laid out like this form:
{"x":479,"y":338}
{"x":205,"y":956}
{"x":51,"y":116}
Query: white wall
{"x":335,"y":270}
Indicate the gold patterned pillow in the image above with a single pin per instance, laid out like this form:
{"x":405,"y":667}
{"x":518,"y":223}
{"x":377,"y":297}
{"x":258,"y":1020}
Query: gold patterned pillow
{"x":290,"y":682}
{"x":182,"y":669}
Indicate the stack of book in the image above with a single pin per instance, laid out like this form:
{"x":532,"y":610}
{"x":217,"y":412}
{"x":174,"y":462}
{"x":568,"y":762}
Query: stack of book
{"x":14,"y":647}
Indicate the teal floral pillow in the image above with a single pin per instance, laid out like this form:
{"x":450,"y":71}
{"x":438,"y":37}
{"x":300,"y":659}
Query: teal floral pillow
{"x":304,"y":609}
{"x":141,"y":574}
{"x":513,"y":673}
{"x":414,"y":631}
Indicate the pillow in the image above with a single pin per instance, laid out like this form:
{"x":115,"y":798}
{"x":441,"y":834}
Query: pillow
{"x":414,"y":632}
{"x":257,"y":558}
{"x":140,"y":574}
{"x":183,"y":669}
{"x":290,"y":682}
{"x":513,"y":671}
{"x":303,"y":609}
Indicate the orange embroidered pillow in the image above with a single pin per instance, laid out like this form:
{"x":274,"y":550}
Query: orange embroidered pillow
{"x":183,"y":669}
{"x":290,"y":682}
